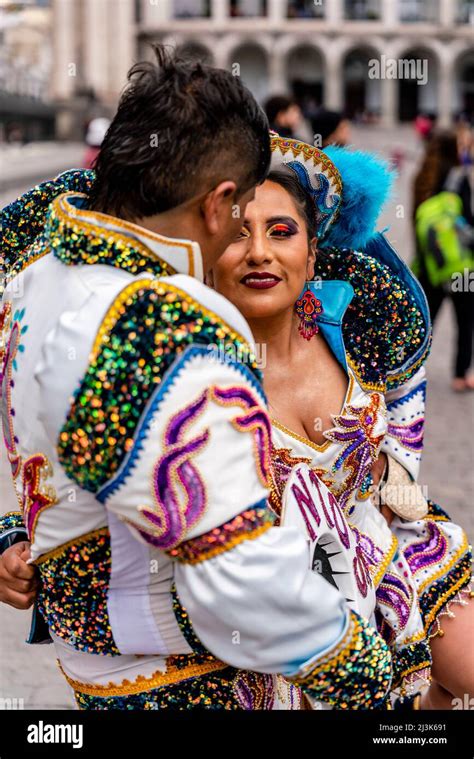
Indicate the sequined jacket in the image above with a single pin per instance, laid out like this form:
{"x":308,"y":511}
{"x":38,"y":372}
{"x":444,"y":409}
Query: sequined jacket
{"x":140,"y":454}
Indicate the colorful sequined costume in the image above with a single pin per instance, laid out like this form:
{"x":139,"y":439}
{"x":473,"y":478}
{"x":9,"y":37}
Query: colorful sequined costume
{"x":376,"y":322}
{"x":141,"y":461}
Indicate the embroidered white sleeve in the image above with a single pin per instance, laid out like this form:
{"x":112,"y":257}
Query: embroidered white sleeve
{"x":406,"y":418}
{"x":201,"y":452}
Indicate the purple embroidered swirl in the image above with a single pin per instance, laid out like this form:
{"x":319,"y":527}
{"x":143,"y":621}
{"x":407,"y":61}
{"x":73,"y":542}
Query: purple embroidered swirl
{"x":409,"y":435}
{"x":429,"y":551}
{"x":175,"y":474}
{"x":394,"y":593}
{"x":172,"y":519}
{"x":355,"y":432}
{"x":255,"y":420}
{"x":373,"y":554}
{"x":254,"y":691}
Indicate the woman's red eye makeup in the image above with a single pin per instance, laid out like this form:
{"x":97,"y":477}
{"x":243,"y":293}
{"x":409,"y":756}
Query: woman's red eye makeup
{"x":283,"y":229}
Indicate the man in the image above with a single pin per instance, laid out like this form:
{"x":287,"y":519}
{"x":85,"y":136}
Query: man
{"x":284,"y":115}
{"x":330,"y":128}
{"x":141,"y":456}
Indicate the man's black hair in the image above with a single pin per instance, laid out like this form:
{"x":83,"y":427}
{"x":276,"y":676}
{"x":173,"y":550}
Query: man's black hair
{"x":181,"y":128}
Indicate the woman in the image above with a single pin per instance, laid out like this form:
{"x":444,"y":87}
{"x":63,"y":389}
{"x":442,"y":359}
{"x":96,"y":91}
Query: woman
{"x":345,"y":390}
{"x":441,"y":173}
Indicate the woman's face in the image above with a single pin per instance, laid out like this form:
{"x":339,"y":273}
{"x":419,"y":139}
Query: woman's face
{"x":263,"y":272}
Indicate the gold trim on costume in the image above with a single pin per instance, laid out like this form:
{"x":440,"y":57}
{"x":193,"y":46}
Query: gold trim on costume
{"x":416,"y":668}
{"x":180,"y":555}
{"x":14,"y":272}
{"x":421,"y":635}
{"x":162,"y":288}
{"x":319,"y":159}
{"x":444,"y":570}
{"x":12,"y":514}
{"x":128,"y":226}
{"x":385,"y":561}
{"x":56,"y":552}
{"x":142,"y":683}
{"x":378,"y":387}
{"x":113,"y":313}
{"x":444,"y":598}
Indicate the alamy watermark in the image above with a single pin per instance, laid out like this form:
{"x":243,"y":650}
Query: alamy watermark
{"x":229,"y":352}
{"x":399,"y":68}
{"x":42,"y":732}
{"x":462,"y":281}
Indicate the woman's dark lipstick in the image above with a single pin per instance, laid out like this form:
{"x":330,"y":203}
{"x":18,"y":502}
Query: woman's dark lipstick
{"x":260,"y":280}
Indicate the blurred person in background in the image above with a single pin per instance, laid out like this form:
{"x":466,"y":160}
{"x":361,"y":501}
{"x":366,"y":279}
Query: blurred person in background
{"x":424,"y":125}
{"x":443,"y":212}
{"x":95,"y":136}
{"x":332,"y":128}
{"x":284,"y":115}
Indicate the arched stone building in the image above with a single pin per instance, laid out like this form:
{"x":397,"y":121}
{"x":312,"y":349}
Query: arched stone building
{"x":313,"y":49}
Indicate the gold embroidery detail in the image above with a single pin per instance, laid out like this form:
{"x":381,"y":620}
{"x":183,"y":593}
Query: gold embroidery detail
{"x":416,"y":668}
{"x":386,"y":561}
{"x":443,"y":599}
{"x":319,"y":159}
{"x":55,"y":553}
{"x":175,"y":553}
{"x":36,"y":471}
{"x":127,"y":226}
{"x":337,"y":655}
{"x":444,"y":570}
{"x":161,"y":288}
{"x":421,"y":635}
{"x":164,"y":288}
{"x":142,"y":683}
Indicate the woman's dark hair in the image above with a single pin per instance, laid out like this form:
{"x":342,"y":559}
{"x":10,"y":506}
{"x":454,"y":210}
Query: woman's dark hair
{"x":181,"y":128}
{"x":441,"y":155}
{"x":302,"y":199}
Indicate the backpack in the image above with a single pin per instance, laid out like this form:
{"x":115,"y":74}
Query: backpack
{"x":439,"y":225}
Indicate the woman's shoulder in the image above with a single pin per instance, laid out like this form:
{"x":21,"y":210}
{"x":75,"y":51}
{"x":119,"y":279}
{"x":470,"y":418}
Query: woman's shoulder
{"x":386,"y":326}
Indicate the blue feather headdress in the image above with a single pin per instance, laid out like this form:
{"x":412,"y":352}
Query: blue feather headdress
{"x":367,"y":182}
{"x":348,"y":188}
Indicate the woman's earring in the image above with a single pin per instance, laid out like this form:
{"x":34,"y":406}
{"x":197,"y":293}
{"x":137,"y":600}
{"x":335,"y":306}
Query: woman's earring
{"x":308,"y":308}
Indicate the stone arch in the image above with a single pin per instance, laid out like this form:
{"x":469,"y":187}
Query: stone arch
{"x":463,"y":90}
{"x":362,"y":94}
{"x":418,"y":77}
{"x":249,"y":60}
{"x":306,"y":74}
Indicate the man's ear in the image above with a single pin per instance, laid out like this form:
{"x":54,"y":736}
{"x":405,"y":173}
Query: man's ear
{"x":313,"y":249}
{"x":217,"y":204}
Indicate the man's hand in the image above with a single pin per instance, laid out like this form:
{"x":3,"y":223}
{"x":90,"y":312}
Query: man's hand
{"x":18,"y":580}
